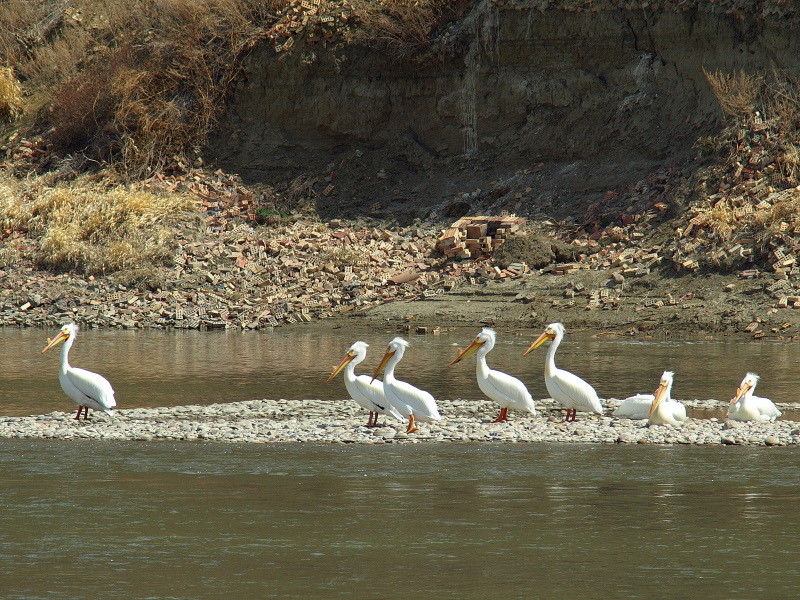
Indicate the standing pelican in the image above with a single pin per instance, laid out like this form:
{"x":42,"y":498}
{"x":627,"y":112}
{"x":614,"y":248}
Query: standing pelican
{"x":639,"y":406}
{"x":507,"y":391}
{"x":411,"y":402}
{"x":746,"y":407}
{"x":367,"y":394}
{"x":568,"y":389}
{"x":665,"y":410}
{"x":87,"y":389}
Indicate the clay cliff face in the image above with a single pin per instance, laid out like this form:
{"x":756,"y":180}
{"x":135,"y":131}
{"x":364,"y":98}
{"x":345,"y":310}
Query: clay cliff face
{"x":600,"y":98}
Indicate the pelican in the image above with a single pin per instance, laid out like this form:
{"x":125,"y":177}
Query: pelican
{"x":665,"y":410}
{"x":638,"y":406}
{"x":507,"y":391}
{"x":87,"y":389}
{"x":411,"y":402}
{"x":635,"y":407}
{"x":568,"y":389}
{"x":746,"y":407}
{"x":367,"y":394}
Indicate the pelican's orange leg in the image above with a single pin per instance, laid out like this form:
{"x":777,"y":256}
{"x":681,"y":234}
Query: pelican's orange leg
{"x":503,"y":416}
{"x":411,"y":427}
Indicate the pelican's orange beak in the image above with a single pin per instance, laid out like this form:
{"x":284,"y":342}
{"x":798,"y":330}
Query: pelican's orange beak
{"x":539,"y":341}
{"x":739,"y":393}
{"x":657,"y":400}
{"x":386,"y":358}
{"x":350,"y":356}
{"x":59,"y":338}
{"x":471,"y":349}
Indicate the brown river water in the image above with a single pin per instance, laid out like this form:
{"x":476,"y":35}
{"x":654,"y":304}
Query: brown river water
{"x":83,"y":519}
{"x":572,"y":521}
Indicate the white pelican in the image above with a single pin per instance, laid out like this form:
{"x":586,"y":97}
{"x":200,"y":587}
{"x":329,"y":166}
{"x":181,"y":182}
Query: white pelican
{"x":87,"y":389}
{"x":564,"y":387}
{"x":665,"y":410}
{"x":635,"y":407}
{"x":638,"y":406}
{"x":411,"y":402}
{"x":746,"y":407}
{"x":507,"y":391}
{"x":367,"y":394}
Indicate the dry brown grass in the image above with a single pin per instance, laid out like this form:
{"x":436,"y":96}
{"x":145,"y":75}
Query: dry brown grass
{"x":93,"y":224}
{"x":10,"y":95}
{"x":403,"y":27}
{"x":138,"y":84}
{"x":131,"y":83}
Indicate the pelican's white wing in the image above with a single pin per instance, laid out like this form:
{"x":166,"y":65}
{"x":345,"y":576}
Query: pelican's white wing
{"x":372,"y":396}
{"x":766,"y":408}
{"x":507,"y":391}
{"x":96,"y":388}
{"x":755,"y":408}
{"x":573,"y":392}
{"x":635,"y":407}
{"x":420,"y":402}
{"x":677,"y":410}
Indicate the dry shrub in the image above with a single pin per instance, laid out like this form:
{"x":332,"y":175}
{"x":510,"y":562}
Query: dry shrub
{"x":736,"y":92}
{"x":94,"y":225}
{"x":80,"y":111}
{"x":141,"y":108}
{"x":166,"y":102}
{"x":139,"y":84}
{"x":10,"y":95}
{"x":772,"y":102}
{"x":403,"y":27}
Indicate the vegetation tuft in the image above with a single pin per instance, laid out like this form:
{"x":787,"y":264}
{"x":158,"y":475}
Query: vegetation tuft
{"x":94,"y":225}
{"x":762,"y":149}
{"x":138,"y":85}
{"x":10,"y":96}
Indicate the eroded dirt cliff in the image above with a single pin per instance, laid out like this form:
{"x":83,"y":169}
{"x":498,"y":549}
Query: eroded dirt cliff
{"x":587,"y":101}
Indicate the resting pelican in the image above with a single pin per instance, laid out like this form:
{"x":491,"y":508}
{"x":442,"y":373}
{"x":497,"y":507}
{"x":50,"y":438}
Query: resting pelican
{"x":87,"y":389}
{"x":411,"y":402}
{"x":507,"y":391}
{"x":665,"y":410}
{"x":746,"y":407}
{"x":367,"y":394}
{"x":568,"y":389}
{"x":638,"y":406}
{"x":635,"y":407}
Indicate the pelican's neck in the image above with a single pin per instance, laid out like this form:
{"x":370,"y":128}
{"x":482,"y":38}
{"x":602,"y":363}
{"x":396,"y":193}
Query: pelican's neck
{"x":388,"y":372}
{"x":64,"y":363}
{"x":550,"y":361}
{"x":350,"y":370}
{"x":481,"y":366}
{"x":665,"y":398}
